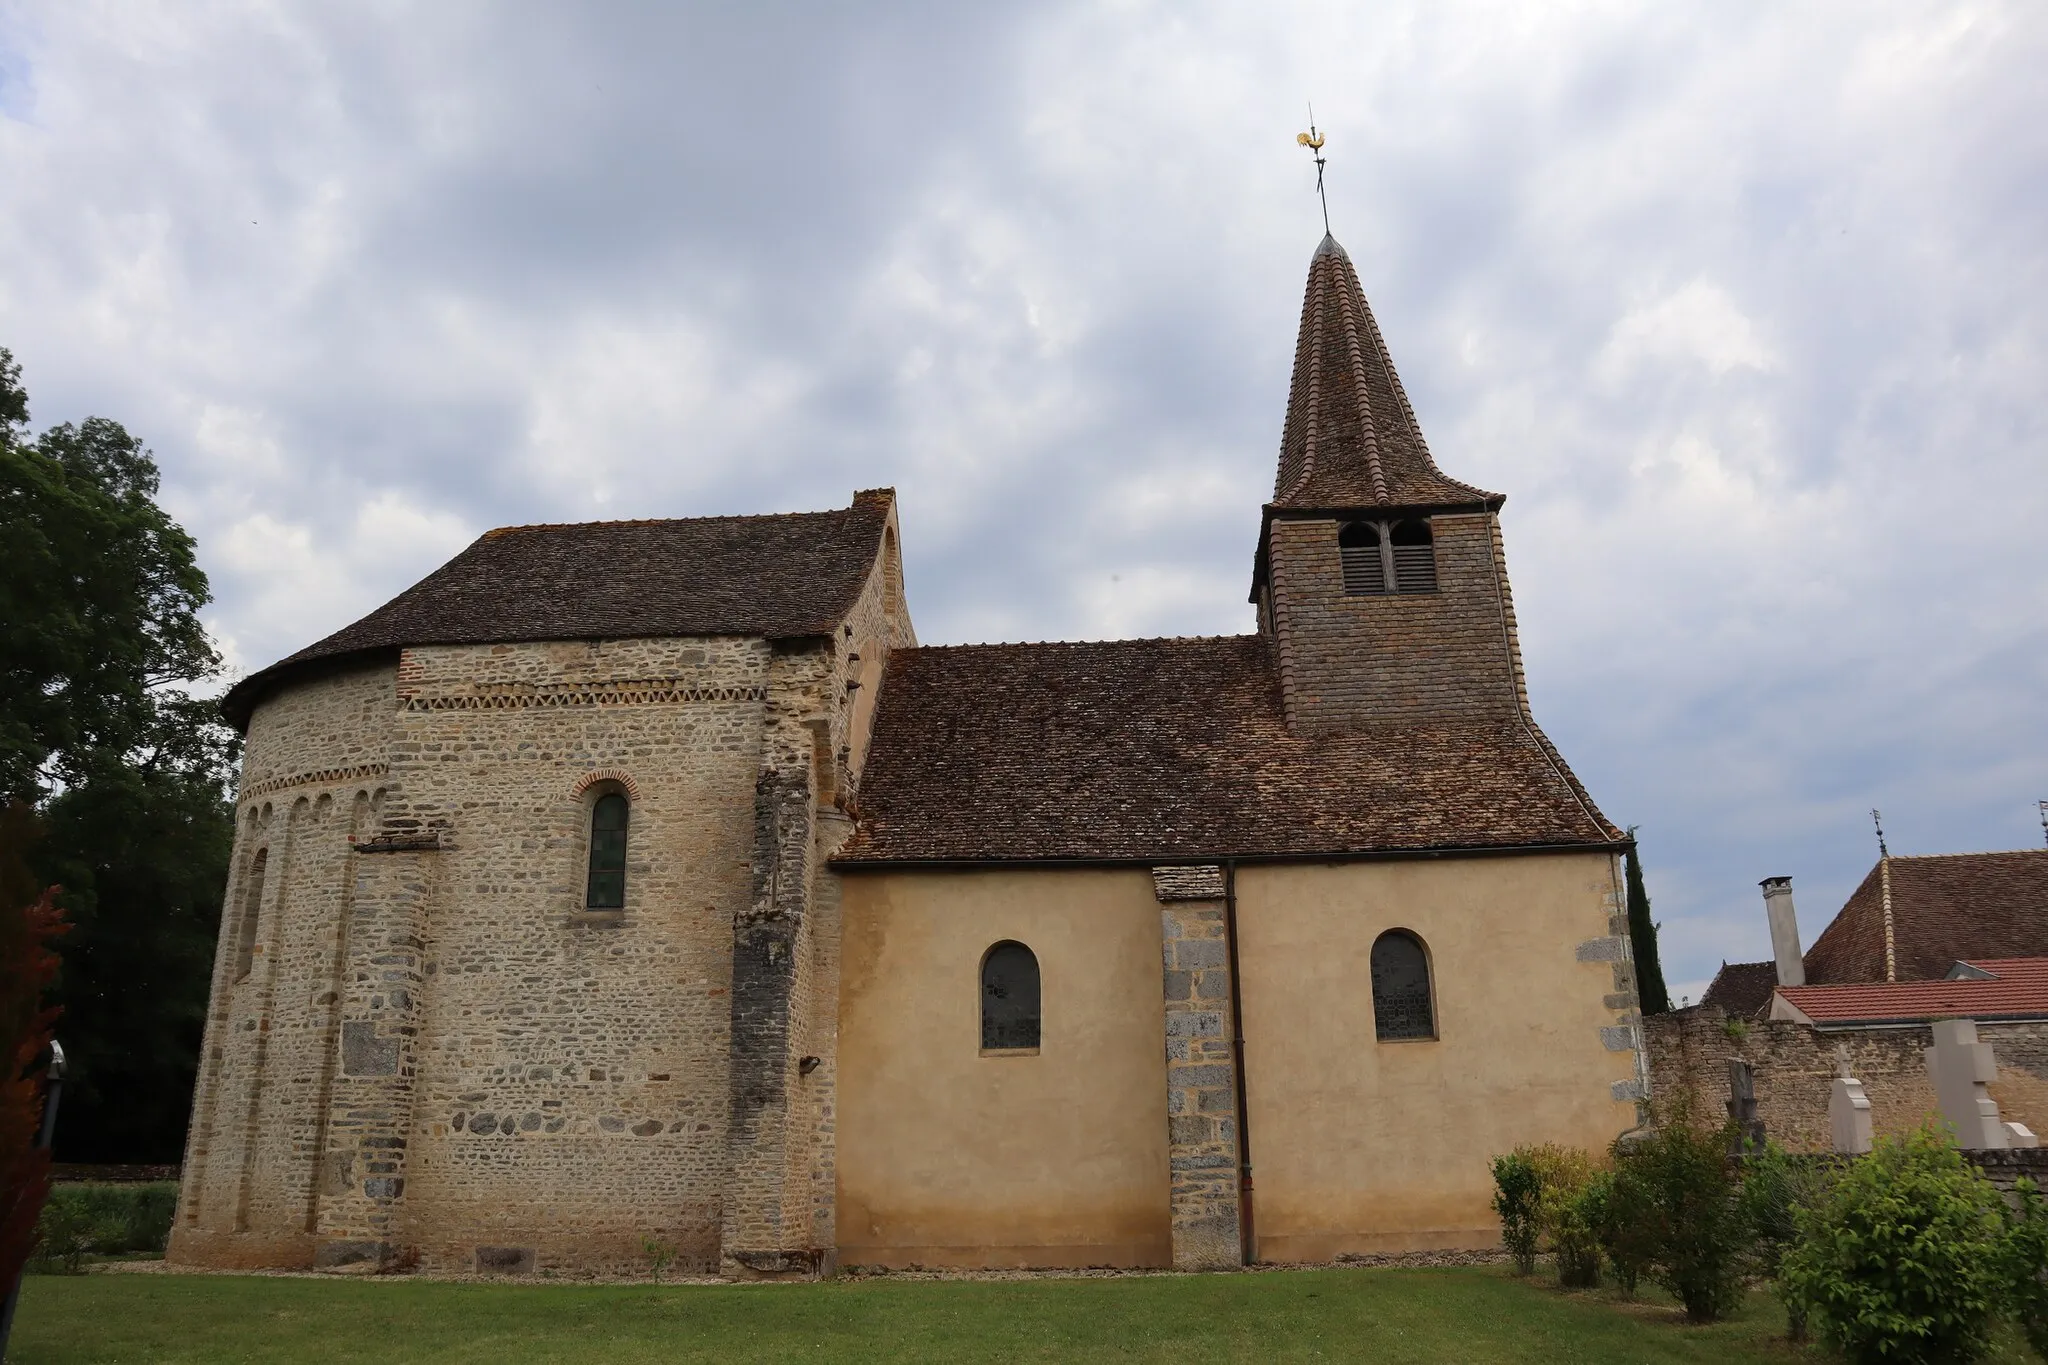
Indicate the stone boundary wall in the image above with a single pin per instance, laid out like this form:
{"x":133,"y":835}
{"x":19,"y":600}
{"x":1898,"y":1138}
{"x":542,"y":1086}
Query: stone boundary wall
{"x":1794,"y":1065}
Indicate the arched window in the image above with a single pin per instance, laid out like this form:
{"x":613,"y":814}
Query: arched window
{"x":245,"y":918}
{"x":1414,"y":558}
{"x":607,"y":889}
{"x":1009,"y":998}
{"x":1358,"y":549}
{"x":1401,"y":1004}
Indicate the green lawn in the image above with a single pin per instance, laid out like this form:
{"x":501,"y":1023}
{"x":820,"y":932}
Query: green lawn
{"x":1373,"y":1315}
{"x":1378,"y":1315}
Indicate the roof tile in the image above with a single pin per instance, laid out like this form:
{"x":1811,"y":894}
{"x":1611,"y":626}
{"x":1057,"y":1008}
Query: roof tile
{"x":2020,"y":991}
{"x":779,"y":577}
{"x":1946,"y":908}
{"x":1351,"y":438}
{"x":1177,"y":749}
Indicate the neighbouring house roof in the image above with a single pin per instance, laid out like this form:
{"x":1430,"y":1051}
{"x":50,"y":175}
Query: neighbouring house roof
{"x":2018,"y":990}
{"x":1944,"y":909}
{"x":777,"y":577}
{"x":1177,"y":749}
{"x":1743,"y":989}
{"x":1351,"y":439}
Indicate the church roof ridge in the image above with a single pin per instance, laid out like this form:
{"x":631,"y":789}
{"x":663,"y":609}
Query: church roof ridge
{"x":883,"y":495}
{"x":1087,"y":644}
{"x":1351,"y":438}
{"x":1981,"y":853}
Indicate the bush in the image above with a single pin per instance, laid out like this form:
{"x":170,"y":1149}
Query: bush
{"x":1689,"y":1212}
{"x":1564,"y":1214}
{"x":1574,"y":1223}
{"x":2026,"y":1265}
{"x":102,"y":1220}
{"x":1775,"y":1189}
{"x":1906,"y":1258}
{"x":1626,"y":1226}
{"x":1516,"y":1189}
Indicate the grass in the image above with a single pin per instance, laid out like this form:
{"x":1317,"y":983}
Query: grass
{"x":1479,"y":1315}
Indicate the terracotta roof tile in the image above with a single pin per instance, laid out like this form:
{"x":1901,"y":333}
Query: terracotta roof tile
{"x":778,"y":577}
{"x":2021,"y":991}
{"x":1177,"y":749}
{"x":1945,"y":908}
{"x":1351,"y":439}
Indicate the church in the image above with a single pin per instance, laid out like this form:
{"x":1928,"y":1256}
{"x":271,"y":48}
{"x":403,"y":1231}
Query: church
{"x":643,"y":889}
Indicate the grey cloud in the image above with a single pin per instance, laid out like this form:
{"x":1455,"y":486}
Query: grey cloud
{"x":1743,"y":311}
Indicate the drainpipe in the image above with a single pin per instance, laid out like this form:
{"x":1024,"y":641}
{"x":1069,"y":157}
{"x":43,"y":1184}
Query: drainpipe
{"x":1247,"y":1228}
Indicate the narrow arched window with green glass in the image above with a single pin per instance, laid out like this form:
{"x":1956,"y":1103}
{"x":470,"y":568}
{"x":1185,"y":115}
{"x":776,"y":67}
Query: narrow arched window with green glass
{"x":607,"y":854}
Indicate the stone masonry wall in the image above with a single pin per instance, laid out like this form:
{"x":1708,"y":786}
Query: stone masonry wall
{"x":314,"y":779}
{"x":1345,"y":661}
{"x":438,"y":1053}
{"x":1794,"y":1066}
{"x":1201,"y":1072}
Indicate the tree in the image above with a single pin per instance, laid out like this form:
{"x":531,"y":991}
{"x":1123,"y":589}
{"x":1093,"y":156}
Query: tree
{"x":29,"y":924}
{"x":1642,"y":938}
{"x":99,"y":597}
{"x":142,"y":852}
{"x":99,"y":640}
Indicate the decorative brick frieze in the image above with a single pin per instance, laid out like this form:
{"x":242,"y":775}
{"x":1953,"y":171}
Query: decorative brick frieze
{"x":324,"y":777}
{"x":627,"y":692}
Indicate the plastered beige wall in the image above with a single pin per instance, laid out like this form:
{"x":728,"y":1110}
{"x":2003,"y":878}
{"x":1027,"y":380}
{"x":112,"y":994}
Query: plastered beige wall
{"x":1362,"y":1146}
{"x":950,"y":1158}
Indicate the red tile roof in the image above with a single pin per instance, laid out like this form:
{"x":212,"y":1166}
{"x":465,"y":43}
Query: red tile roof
{"x":1945,"y":908}
{"x":2020,"y":991}
{"x":779,"y":577}
{"x":1177,"y":749}
{"x":1351,"y":439}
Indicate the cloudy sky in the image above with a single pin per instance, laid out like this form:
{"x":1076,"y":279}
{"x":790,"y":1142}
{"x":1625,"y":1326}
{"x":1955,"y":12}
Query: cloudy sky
{"x":1744,"y":306}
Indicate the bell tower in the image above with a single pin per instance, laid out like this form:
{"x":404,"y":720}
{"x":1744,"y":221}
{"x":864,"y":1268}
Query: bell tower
{"x":1379,"y":578}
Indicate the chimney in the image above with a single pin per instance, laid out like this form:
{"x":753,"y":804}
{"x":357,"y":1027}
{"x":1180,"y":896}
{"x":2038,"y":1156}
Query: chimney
{"x":1784,"y":930}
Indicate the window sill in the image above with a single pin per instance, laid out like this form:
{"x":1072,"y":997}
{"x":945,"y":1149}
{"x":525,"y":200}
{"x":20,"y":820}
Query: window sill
{"x":1009,"y":1052}
{"x":1390,"y":1041}
{"x":597,"y":919}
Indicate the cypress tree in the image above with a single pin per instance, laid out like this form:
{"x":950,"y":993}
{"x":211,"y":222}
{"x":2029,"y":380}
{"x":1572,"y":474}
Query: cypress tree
{"x":1642,"y":938}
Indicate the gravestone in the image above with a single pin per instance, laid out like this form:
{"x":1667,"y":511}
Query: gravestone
{"x":1848,"y":1111}
{"x":1749,"y":1129}
{"x":1962,"y":1070}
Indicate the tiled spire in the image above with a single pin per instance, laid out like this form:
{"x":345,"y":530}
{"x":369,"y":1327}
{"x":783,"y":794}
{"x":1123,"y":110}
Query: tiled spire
{"x":1351,"y":438}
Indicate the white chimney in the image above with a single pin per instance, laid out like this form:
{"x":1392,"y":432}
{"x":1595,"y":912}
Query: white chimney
{"x":1784,"y":930}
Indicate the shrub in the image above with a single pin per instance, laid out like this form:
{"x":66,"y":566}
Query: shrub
{"x":1906,"y":1258}
{"x":1516,"y":1188}
{"x":2026,"y":1266}
{"x":1574,"y":1223}
{"x":1627,"y":1226}
{"x":1690,"y":1213}
{"x":1564,"y":1216}
{"x":103,"y":1220}
{"x":1776,"y":1187}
